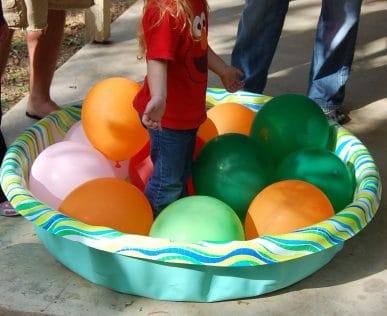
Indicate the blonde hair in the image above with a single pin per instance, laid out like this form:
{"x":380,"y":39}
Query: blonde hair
{"x":179,"y":9}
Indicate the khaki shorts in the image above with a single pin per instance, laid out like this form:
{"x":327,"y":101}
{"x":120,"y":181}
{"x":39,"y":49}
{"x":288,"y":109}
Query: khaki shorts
{"x":32,"y":14}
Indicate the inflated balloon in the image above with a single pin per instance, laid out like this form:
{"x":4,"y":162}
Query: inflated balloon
{"x":207,"y":131}
{"x":62,"y":167}
{"x":141,"y":167}
{"x":231,"y":118}
{"x":109,"y":120}
{"x":290,"y":122}
{"x":323,"y":169}
{"x":120,"y":169}
{"x":110,"y":202}
{"x":196,"y":218}
{"x":285,"y":206}
{"x":232,"y":168}
{"x":199,"y":144}
{"x":77,"y":134}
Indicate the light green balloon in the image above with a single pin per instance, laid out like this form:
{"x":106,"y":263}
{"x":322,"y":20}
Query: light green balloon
{"x":195,"y":218}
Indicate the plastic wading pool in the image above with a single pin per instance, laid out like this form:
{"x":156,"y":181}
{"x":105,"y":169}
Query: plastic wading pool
{"x":201,"y":272}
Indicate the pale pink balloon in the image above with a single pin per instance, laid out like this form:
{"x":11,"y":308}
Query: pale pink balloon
{"x":62,"y":167}
{"x":121,"y":168}
{"x":77,"y":134}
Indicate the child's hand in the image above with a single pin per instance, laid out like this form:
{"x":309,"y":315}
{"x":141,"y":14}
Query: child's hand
{"x":231,"y":79}
{"x":154,"y":112}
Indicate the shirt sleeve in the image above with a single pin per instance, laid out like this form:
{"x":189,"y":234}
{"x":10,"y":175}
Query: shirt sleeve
{"x":161,"y":36}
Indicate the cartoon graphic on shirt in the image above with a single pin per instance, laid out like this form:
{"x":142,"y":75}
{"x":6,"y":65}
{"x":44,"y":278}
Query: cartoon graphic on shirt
{"x":196,"y":56}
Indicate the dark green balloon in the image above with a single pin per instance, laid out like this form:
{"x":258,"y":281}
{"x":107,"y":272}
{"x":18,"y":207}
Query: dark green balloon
{"x":323,"y":169}
{"x":290,"y":122}
{"x":232,"y":168}
{"x":195,"y":218}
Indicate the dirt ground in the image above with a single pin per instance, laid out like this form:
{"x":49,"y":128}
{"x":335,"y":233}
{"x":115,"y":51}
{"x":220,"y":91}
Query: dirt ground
{"x":14,"y":84}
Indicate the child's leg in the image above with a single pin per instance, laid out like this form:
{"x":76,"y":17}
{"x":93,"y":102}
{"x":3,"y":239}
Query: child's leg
{"x":188,"y":165}
{"x":170,"y":154}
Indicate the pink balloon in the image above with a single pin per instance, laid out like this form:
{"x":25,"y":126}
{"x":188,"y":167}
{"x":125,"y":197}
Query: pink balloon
{"x":121,"y":168}
{"x":77,"y":134}
{"x":62,"y":167}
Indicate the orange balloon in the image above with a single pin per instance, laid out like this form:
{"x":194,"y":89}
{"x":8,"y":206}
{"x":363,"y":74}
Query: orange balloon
{"x":109,"y":120}
{"x":231,"y":118}
{"x":110,"y":202}
{"x":207,"y":130}
{"x":285,"y":206}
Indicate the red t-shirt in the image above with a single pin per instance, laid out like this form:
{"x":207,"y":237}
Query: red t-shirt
{"x":187,"y":70}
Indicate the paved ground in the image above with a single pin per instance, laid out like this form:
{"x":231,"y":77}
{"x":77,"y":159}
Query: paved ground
{"x":353,"y":283}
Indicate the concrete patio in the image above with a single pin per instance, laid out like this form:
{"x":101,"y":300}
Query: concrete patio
{"x":354,"y":283}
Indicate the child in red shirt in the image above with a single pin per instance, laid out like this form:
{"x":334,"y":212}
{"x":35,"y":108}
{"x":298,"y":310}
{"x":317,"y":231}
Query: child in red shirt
{"x":172,"y":100}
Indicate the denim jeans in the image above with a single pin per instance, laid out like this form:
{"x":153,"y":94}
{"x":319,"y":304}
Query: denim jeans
{"x":171,"y":154}
{"x":259,"y":30}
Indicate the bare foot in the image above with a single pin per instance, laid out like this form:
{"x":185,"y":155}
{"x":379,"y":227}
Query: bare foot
{"x":42,"y":109}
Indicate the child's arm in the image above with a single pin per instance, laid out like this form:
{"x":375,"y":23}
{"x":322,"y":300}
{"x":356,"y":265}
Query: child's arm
{"x":228,"y":74}
{"x":157,"y":80}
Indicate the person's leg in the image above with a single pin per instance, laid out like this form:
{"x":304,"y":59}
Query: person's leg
{"x":333,"y":54}
{"x":169,"y":152}
{"x":43,"y":49}
{"x":5,"y":47}
{"x":259,"y":30}
{"x":3,"y":149}
{"x":6,"y":208}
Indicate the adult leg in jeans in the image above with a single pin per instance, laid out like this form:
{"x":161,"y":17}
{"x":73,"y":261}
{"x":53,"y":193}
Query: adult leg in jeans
{"x":43,"y":50}
{"x":253,"y":53}
{"x":333,"y":53}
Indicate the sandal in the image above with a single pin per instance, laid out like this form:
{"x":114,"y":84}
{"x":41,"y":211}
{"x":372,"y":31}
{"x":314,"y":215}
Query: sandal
{"x":336,"y":115}
{"x":6,"y":209}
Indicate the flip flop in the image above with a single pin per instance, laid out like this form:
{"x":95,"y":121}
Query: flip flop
{"x":7,"y":210}
{"x":33,"y":116}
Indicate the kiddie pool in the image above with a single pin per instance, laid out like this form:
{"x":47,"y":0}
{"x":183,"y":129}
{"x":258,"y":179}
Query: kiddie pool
{"x":201,"y":272}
